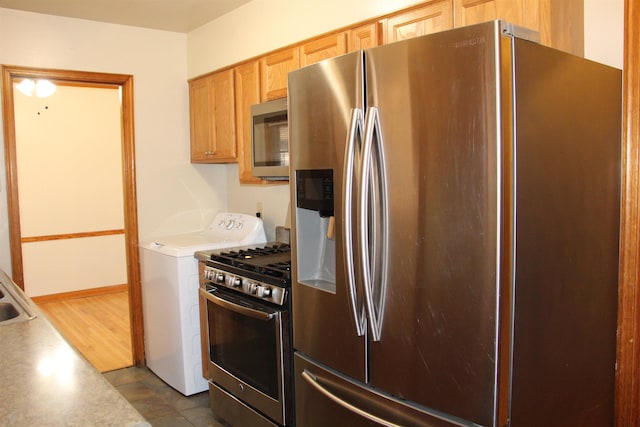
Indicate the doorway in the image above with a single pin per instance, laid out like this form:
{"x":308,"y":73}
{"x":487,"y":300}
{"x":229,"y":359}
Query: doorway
{"x":124,"y":84}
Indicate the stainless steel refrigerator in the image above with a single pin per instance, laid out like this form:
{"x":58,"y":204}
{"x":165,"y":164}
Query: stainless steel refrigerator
{"x":455,"y":230}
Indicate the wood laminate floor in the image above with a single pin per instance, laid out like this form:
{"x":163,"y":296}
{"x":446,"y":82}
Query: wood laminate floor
{"x":98,"y":326}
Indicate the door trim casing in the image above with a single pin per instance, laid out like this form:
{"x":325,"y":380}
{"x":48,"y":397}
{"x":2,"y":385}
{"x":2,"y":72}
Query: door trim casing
{"x":125,"y":82}
{"x":628,"y":357}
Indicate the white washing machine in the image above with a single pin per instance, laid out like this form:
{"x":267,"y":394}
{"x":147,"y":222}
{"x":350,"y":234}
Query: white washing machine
{"x":170,"y":296}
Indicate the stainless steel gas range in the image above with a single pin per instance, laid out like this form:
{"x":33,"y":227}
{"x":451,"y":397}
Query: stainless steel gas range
{"x":245,"y":307}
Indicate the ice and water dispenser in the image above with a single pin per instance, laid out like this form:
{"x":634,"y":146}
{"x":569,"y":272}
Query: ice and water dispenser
{"x":315,"y":229}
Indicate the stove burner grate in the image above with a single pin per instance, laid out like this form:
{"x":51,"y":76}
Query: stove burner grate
{"x":270,"y":260}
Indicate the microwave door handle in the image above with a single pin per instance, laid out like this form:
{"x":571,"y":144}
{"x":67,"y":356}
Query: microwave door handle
{"x":246,"y":311}
{"x":373,"y":140}
{"x":355,"y":131}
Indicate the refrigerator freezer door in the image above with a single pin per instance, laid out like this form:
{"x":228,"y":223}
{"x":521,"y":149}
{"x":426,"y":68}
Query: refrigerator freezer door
{"x":437,"y":99}
{"x":339,"y":401}
{"x":322,"y":98}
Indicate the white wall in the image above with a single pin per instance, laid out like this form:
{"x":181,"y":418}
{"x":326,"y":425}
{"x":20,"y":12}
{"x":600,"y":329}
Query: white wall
{"x":258,"y":27}
{"x":173,"y":195}
{"x":604,"y":31}
{"x":264,"y":25}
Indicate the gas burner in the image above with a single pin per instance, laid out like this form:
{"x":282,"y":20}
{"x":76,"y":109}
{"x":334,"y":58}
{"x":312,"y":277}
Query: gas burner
{"x":284,"y":265}
{"x":273,"y":260}
{"x":250,"y":253}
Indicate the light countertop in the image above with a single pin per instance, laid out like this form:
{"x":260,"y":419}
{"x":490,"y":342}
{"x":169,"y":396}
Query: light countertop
{"x":45,"y":381}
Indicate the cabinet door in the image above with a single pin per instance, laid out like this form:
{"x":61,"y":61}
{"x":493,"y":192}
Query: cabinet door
{"x":562,"y":25}
{"x":247,"y":85}
{"x":363,"y":37}
{"x":212,"y":111}
{"x":524,"y":13}
{"x":549,"y":18}
{"x":431,"y":18}
{"x":274,"y":69}
{"x":323,"y":48}
{"x":200,"y":113}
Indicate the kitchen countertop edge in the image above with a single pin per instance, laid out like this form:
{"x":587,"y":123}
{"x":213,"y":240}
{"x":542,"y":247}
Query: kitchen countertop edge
{"x":47,"y":381}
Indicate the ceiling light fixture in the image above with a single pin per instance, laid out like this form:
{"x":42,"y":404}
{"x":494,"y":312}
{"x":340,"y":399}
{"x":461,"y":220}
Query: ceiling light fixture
{"x":26,"y":86}
{"x":43,"y":88}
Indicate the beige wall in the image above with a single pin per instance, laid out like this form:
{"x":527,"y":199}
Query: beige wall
{"x":69,"y":161}
{"x":173,"y":194}
{"x":604,"y":31}
{"x":69,"y":157}
{"x":263,"y":25}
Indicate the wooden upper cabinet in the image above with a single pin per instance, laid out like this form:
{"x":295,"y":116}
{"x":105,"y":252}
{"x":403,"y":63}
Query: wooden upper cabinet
{"x":519,"y":12}
{"x":363,"y":37}
{"x":274,"y":69}
{"x":247,"y":84}
{"x":220,"y":103}
{"x":212,"y":118}
{"x":430,"y":18}
{"x":323,"y":48}
{"x":560,"y":24}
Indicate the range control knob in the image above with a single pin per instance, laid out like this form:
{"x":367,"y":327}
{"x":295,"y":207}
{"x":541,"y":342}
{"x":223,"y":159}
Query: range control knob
{"x":208,"y":275}
{"x":218,"y":277}
{"x":252,"y":288}
{"x":235,"y":281}
{"x":263,"y":292}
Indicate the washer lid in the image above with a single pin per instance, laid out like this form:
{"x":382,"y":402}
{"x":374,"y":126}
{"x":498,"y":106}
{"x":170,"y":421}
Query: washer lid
{"x":186,"y":244}
{"x":227,"y":230}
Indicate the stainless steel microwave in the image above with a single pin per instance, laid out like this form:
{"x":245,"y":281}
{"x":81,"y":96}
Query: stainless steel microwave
{"x":270,"y":140}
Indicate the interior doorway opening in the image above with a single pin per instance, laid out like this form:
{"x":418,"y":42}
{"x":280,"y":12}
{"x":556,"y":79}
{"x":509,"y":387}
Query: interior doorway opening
{"x":11,"y":75}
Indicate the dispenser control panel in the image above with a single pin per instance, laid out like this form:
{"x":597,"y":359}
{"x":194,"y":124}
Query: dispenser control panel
{"x":314,"y":190}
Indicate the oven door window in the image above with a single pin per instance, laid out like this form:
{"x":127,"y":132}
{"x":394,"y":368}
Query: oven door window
{"x":245,"y":346}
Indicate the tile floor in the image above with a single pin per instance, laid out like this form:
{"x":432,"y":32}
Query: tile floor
{"x":160,"y":404}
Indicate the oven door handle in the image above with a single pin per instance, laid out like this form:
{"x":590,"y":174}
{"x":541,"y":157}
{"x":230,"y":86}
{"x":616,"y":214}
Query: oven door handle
{"x":221,"y":302}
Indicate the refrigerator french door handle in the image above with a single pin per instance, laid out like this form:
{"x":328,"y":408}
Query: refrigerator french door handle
{"x":313,"y":381}
{"x":355,"y":130}
{"x":373,"y":136}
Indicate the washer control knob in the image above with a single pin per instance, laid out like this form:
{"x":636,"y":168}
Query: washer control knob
{"x":263,"y":292}
{"x":230,"y":223}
